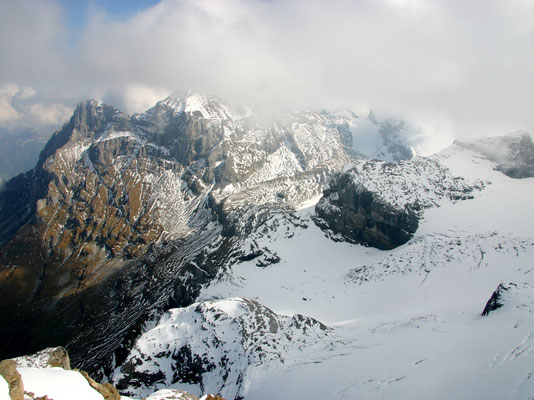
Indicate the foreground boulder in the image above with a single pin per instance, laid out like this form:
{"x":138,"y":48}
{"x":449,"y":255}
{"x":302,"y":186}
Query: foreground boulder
{"x":107,"y":390}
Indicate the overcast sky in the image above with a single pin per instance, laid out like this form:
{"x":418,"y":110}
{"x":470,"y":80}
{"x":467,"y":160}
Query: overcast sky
{"x":454,"y":68}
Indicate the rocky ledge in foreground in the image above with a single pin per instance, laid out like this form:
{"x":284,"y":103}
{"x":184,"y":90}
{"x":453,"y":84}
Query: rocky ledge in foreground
{"x":46,"y":375}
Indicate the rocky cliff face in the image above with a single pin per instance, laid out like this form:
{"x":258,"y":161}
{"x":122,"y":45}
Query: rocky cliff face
{"x":361,"y":216}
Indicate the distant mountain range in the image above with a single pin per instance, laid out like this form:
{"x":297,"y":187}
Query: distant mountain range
{"x":19,"y":151}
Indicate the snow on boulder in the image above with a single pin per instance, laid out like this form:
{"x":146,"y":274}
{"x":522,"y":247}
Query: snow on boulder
{"x":49,"y":357}
{"x":8,"y":371}
{"x":211,"y":347}
{"x":57,"y":384}
{"x":510,"y":294}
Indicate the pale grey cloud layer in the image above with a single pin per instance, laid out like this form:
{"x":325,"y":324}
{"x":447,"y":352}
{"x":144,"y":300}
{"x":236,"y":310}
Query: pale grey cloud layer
{"x":453,"y":67}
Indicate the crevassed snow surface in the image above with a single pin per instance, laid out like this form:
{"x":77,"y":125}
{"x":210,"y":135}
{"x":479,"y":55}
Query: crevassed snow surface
{"x":410,"y":318}
{"x":57,"y":384}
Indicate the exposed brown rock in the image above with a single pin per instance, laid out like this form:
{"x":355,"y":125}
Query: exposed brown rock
{"x":8,"y":369}
{"x":32,"y":396}
{"x":107,"y":389}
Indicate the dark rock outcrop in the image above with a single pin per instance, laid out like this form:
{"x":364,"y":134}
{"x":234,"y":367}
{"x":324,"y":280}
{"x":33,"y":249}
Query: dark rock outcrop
{"x":496,"y":300}
{"x":378,"y":203}
{"x":361,"y":216}
{"x":107,"y":390}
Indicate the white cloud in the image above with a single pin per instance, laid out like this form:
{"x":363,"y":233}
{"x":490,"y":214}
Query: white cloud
{"x":9,"y":90}
{"x":17,"y":109}
{"x":7,"y":112}
{"x":27,"y":92}
{"x":135,"y":98}
{"x":49,"y":114}
{"x":456,"y":66}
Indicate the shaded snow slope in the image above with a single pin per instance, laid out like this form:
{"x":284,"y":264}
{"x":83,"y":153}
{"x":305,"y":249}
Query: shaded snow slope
{"x":374,"y":137}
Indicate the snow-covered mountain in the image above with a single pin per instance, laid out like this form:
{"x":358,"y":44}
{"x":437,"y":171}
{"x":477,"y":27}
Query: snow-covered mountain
{"x":234,"y":226}
{"x":124,"y":216}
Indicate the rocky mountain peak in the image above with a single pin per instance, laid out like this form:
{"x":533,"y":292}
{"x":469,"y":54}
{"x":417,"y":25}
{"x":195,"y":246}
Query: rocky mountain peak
{"x":199,"y":105}
{"x":92,"y":115}
{"x":89,"y":117}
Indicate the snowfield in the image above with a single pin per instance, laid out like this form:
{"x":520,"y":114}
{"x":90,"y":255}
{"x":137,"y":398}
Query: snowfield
{"x":410,"y":319}
{"x":57,"y":384}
